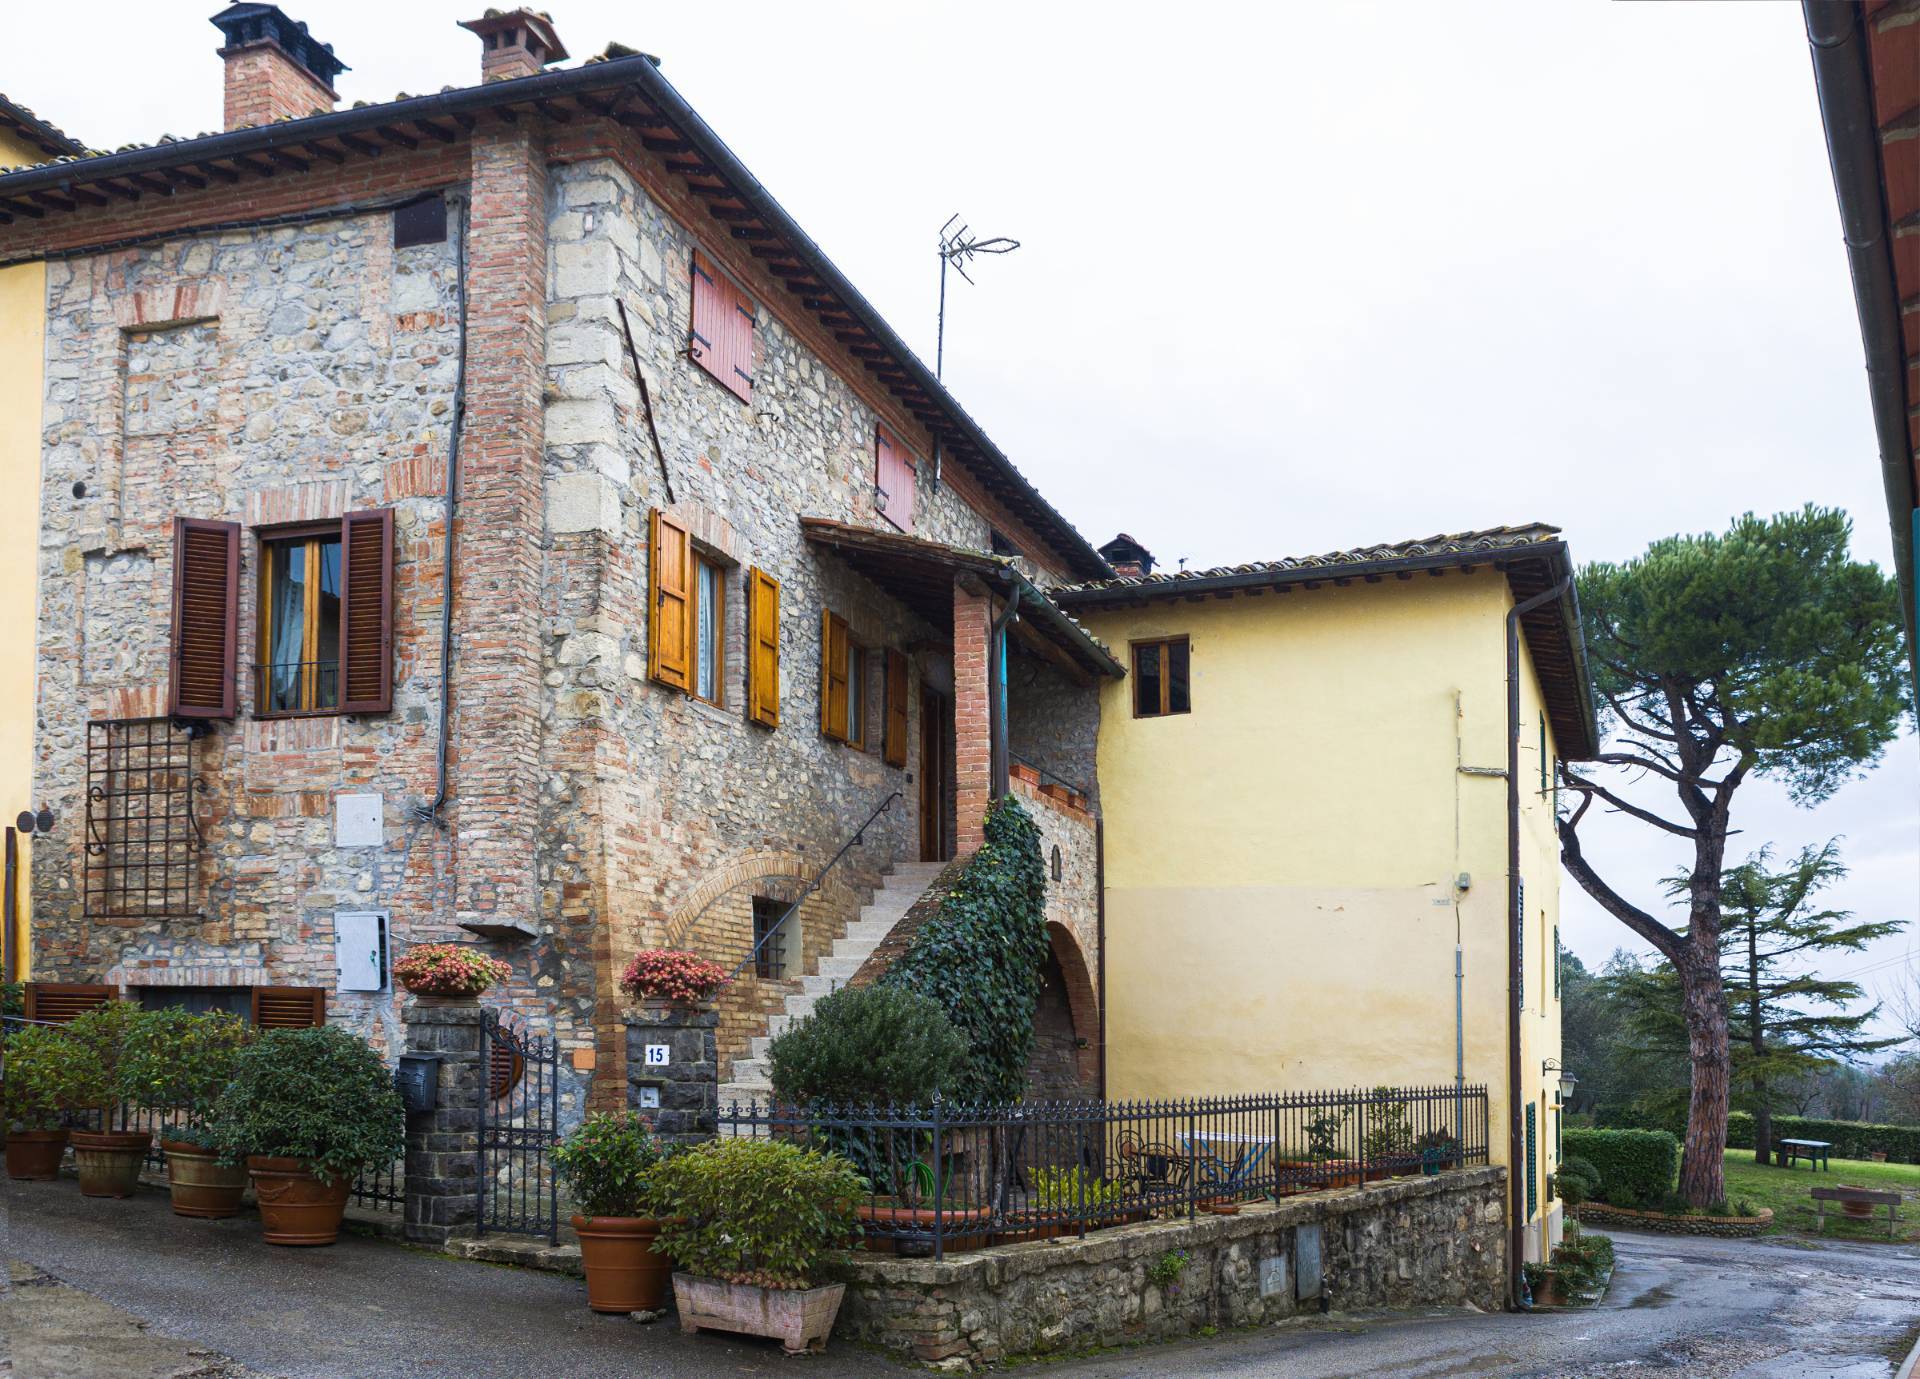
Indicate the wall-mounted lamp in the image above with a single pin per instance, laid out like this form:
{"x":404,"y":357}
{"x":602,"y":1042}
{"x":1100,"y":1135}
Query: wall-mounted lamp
{"x":1567,"y":1080}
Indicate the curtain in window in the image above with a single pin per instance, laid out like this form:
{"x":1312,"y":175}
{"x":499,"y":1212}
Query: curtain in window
{"x":707,"y":658}
{"x":289,"y":623}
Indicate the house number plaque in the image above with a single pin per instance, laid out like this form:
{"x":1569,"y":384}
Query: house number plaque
{"x":659,"y":1055}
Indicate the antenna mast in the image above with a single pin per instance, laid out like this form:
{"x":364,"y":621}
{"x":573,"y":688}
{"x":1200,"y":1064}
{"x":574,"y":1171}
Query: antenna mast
{"x":957,"y":247}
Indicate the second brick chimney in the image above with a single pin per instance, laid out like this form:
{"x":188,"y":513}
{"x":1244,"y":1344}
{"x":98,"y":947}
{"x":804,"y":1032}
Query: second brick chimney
{"x":515,"y":43}
{"x":276,"y":70}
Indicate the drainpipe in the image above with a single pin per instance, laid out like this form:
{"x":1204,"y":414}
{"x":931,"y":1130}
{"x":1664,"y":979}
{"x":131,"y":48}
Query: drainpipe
{"x":1100,"y":936}
{"x":1516,"y":1147}
{"x":997,"y":648}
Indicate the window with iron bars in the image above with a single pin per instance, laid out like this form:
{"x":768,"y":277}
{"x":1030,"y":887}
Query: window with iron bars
{"x":143,"y":842}
{"x":770,"y":954}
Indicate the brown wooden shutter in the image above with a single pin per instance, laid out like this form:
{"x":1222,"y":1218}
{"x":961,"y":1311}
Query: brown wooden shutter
{"x":206,"y":611}
{"x":763,"y":648}
{"x":722,"y":342}
{"x":55,"y":1003}
{"x":894,"y":475}
{"x":894,"y":744}
{"x":289,"y":1007}
{"x":833,"y":676}
{"x":670,"y":625}
{"x":366,"y":611}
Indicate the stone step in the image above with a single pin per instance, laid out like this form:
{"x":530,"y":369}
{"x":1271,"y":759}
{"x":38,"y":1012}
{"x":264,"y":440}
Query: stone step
{"x":869,"y":931}
{"x":819,"y":986}
{"x":833,"y":966}
{"x":752,"y":1070}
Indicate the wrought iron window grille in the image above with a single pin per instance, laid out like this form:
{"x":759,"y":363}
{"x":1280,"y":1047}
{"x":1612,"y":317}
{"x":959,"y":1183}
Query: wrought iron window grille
{"x":143,"y":838}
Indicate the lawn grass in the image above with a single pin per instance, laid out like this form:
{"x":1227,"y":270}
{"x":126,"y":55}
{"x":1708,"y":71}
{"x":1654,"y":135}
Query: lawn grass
{"x":1785,"y":1190}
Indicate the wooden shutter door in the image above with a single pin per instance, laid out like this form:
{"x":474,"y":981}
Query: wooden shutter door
{"x":670,"y":626}
{"x":722,"y":341}
{"x":289,"y":1007}
{"x":55,"y":1003}
{"x":833,"y":676}
{"x":763,"y":648}
{"x":894,"y":475}
{"x":894,"y":744}
{"x":739,"y":351}
{"x":206,"y":610}
{"x":366,"y":611}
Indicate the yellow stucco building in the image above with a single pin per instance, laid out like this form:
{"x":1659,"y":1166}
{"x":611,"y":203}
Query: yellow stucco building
{"x":1305,"y":786}
{"x":24,"y":139}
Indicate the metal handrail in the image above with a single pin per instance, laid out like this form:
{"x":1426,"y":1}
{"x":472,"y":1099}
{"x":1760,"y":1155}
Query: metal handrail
{"x":813,"y":885}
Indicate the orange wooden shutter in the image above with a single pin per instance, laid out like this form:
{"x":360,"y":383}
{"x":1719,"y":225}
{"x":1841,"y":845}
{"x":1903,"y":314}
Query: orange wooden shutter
{"x":670,"y":628}
{"x":833,"y":676}
{"x":894,"y":745}
{"x":722,"y":341}
{"x":763,"y":648}
{"x":366,"y":611}
{"x":894,"y":476}
{"x":289,"y":1007}
{"x":55,"y":1003}
{"x":206,"y":610}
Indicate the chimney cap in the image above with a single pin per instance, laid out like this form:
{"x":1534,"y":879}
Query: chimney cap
{"x":539,"y":26}
{"x":245,"y":25}
{"x":1123,"y":550}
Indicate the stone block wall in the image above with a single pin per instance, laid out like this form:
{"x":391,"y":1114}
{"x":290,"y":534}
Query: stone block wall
{"x":442,"y":1176}
{"x":687,"y":1085}
{"x":1406,"y":1243}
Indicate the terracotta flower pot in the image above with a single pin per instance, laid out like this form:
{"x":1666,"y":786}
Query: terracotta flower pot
{"x":799,"y":1318}
{"x":624,"y":1272}
{"x":109,"y":1161}
{"x":1859,"y":1211}
{"x":33,"y":1156}
{"x":296,"y":1208}
{"x":200,"y":1184}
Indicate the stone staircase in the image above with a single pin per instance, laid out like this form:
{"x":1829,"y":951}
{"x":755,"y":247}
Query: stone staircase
{"x":899,"y":888}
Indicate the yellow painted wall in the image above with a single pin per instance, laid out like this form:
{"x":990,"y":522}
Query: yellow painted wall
{"x":23,"y":295}
{"x":1281,"y":906}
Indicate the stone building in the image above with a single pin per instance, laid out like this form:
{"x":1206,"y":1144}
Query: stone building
{"x":488,"y":516}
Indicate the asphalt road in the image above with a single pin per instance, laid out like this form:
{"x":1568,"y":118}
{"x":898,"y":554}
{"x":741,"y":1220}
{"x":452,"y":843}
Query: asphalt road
{"x":1706,"y":1309}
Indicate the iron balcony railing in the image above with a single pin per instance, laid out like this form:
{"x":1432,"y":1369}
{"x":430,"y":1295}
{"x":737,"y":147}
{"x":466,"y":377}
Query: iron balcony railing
{"x":954,"y":1176}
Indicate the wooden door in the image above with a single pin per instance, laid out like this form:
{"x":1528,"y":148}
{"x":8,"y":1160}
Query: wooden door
{"x":935,"y":717}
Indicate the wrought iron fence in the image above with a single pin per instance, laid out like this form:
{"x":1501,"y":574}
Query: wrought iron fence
{"x":519,"y":1125}
{"x":382,"y":1187}
{"x":949,"y":1176}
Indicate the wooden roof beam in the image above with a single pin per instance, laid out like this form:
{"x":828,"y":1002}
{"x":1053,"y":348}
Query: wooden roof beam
{"x":394,"y":135}
{"x":363,"y":146}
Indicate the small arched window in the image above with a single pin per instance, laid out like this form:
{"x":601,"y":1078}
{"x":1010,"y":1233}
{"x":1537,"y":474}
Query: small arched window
{"x":1057,"y":867}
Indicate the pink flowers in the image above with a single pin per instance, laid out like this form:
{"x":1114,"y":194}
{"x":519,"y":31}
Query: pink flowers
{"x":669,"y":974}
{"x":448,"y":969}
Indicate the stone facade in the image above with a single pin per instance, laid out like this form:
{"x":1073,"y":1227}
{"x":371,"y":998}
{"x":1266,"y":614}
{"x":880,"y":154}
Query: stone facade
{"x":1404,"y":1243}
{"x":680,"y":1096}
{"x":443,"y":1144}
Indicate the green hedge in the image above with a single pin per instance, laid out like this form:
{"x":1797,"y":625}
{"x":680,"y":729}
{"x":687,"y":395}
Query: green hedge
{"x":1851,"y":1139}
{"x":1637,"y":1167}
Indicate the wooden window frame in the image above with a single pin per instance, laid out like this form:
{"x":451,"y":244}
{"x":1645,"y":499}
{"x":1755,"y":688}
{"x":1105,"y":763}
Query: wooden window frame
{"x":1134,"y":648}
{"x":697,"y":562}
{"x":857,"y":674}
{"x":272,"y":540}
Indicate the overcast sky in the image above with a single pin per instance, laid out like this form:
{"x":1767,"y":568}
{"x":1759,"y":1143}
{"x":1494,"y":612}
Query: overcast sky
{"x":1292,"y":278}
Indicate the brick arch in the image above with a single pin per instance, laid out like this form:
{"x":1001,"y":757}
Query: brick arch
{"x":1082,"y":999}
{"x":790,"y":866}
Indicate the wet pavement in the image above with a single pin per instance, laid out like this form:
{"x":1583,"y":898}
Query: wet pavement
{"x":210,"y":1298}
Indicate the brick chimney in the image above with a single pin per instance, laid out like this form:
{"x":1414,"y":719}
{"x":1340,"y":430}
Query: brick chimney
{"x":275,"y":68}
{"x":1127,"y":556}
{"x":515,"y":43}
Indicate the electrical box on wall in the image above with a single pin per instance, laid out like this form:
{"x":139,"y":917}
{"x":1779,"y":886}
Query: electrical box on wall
{"x":360,"y":949}
{"x":357,"y":822}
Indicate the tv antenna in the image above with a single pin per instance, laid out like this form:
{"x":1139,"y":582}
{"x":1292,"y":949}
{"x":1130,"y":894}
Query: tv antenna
{"x":957,"y":247}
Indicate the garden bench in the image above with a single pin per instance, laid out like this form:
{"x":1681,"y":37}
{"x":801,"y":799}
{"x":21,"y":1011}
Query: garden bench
{"x":1814,"y":1152}
{"x":1856,"y":1196}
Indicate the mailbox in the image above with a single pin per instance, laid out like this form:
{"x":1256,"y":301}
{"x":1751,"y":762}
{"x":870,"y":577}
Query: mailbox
{"x":418,"y":1078}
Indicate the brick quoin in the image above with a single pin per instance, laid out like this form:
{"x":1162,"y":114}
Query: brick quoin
{"x":972,"y":720}
{"x":497,"y":691}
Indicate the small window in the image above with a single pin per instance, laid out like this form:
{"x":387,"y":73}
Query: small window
{"x":709,"y":618}
{"x":1058,"y":868}
{"x":770,"y":955}
{"x":1000,"y":543}
{"x":300,"y":624}
{"x":420,"y":222}
{"x":1160,"y":678}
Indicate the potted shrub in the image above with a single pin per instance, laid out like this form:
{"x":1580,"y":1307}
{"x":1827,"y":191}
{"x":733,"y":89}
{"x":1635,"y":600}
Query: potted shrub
{"x":751,"y":1226}
{"x":1387,"y":1146}
{"x":1438,"y":1149}
{"x":101,"y":1044}
{"x":605,"y":1165}
{"x":448,"y":973}
{"x":182,"y":1064}
{"x":306,"y":1110}
{"x":38,"y":1089}
{"x":672,"y":976}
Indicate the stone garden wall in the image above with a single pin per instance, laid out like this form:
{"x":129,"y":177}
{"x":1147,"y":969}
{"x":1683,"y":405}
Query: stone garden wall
{"x":1724,"y":1227}
{"x":1405,"y":1243}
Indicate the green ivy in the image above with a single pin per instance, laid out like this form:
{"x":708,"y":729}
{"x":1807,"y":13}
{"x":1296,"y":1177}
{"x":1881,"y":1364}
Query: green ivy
{"x":981,"y":957}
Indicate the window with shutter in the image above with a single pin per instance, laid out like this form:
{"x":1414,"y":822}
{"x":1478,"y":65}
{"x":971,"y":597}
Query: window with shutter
{"x":836,"y":650}
{"x":670,"y":626}
{"x":206,"y":607}
{"x":289,"y":1007}
{"x":366,"y":615}
{"x":895,"y":474}
{"x":722,"y":342}
{"x":325,"y":642}
{"x":763,"y":648}
{"x":709,"y":630}
{"x":894,"y":744}
{"x":55,"y":1003}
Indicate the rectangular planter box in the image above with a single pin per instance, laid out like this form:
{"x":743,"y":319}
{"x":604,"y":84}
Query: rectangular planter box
{"x":799,"y":1318}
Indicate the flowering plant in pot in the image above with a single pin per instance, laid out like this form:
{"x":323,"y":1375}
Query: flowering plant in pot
{"x":753,"y":1226}
{"x":449,"y":971}
{"x":37,"y":1091}
{"x":671,"y":974}
{"x":306,"y":1110}
{"x":102,"y":1045}
{"x":180,"y":1067}
{"x":606,"y":1165}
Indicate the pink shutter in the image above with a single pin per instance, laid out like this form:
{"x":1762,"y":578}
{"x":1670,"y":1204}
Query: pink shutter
{"x":894,"y":474}
{"x":722,"y":342}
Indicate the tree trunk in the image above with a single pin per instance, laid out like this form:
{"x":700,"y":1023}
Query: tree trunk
{"x":1762,"y":1129}
{"x":1757,"y":1041}
{"x":1702,"y":1163}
